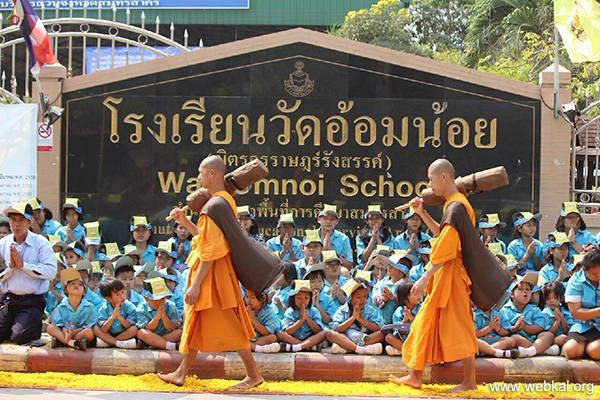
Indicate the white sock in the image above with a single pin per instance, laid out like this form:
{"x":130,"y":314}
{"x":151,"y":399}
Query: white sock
{"x":170,"y":346}
{"x":360,"y":350}
{"x":499,"y":353}
{"x":531,"y":351}
{"x":119,"y":343}
{"x":507,"y":354}
{"x":258,"y":349}
{"x":71,"y":343}
{"x":295,"y":347}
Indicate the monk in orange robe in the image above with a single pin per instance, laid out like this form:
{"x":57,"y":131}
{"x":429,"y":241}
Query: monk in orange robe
{"x":215,"y":316}
{"x":443,"y":329}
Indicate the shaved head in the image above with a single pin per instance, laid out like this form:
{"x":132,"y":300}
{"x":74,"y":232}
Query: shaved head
{"x":216,"y":163}
{"x":441,"y":165}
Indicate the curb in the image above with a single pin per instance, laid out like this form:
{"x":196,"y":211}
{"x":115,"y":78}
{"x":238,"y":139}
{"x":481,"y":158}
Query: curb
{"x":291,"y":366}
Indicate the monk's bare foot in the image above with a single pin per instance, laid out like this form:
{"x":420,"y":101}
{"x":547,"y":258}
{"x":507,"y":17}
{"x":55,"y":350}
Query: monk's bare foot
{"x":248,"y":383}
{"x":173,"y":378}
{"x":463,"y":387}
{"x":409,"y":380}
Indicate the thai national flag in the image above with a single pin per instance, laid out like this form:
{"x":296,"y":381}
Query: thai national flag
{"x":36,"y":37}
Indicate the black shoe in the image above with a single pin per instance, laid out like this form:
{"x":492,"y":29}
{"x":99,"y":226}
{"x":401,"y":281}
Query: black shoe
{"x":514,"y":353}
{"x":54,"y":343}
{"x":81,"y":344}
{"x":141,"y":345}
{"x":284,"y":347}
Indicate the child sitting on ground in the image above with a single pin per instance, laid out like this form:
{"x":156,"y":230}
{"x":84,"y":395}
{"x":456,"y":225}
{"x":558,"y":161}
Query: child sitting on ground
{"x":73,"y":319}
{"x":302,"y":327}
{"x":556,"y":255}
{"x":356,"y":325}
{"x":409,"y":305}
{"x":265,"y":322}
{"x":553,"y":298}
{"x":321,"y":300}
{"x":491,"y":329}
{"x":524,"y":246}
{"x":384,"y":293}
{"x":116,"y":318}
{"x":332,"y":285}
{"x":158,"y":319}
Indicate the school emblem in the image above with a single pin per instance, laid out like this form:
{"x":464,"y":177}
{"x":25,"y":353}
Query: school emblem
{"x":299,"y":83}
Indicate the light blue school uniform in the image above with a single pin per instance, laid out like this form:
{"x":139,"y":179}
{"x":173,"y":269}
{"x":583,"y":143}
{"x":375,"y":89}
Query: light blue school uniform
{"x":533,"y":316}
{"x":481,"y":320}
{"x":292,"y":315}
{"x":64,"y":316}
{"x":78,"y":232}
{"x":145,"y":313}
{"x":177,"y":298}
{"x":547,"y":274}
{"x":582,"y":237}
{"x":274,"y":244}
{"x":267,"y":316}
{"x":187,"y":247}
{"x":416,"y":272}
{"x":148,"y":255}
{"x":95,"y":299}
{"x":496,"y":240}
{"x":127,"y":311}
{"x":517,"y":249}
{"x":283,"y":295}
{"x":327,"y":289}
{"x":340,"y":242}
{"x":387,"y":309}
{"x":301,"y":267}
{"x":51,"y":301}
{"x":357,"y":332}
{"x":50,"y":227}
{"x":568,"y":319}
{"x":402,"y":241}
{"x":328,"y":305}
{"x":135,"y":298}
{"x":360,"y":246}
{"x":580,"y":290}
{"x":398,"y":317}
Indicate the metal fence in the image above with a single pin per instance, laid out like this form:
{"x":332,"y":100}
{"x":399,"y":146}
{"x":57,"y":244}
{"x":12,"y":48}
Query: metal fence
{"x":76,"y":38}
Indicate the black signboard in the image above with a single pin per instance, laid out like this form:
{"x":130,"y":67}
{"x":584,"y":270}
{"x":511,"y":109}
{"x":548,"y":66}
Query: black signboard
{"x":331,"y":127}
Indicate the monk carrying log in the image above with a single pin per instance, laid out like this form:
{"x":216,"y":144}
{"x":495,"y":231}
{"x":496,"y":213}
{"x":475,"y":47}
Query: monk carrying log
{"x":443,"y":329}
{"x":215,"y":314}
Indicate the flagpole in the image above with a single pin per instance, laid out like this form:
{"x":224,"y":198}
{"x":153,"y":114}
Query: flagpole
{"x":555,"y":72}
{"x":41,"y":100}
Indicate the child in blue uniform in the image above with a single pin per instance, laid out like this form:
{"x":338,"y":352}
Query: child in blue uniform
{"x":571,"y":223}
{"x":312,"y":248}
{"x":488,"y":229}
{"x":553,"y":306}
{"x":141,"y":236}
{"x":556,"y":255}
{"x":264,"y":321}
{"x":332,"y":285}
{"x":409,"y":306}
{"x":165,"y":255}
{"x":158,"y":320}
{"x":72,"y":215}
{"x":384,"y":293}
{"x":301,"y":327}
{"x":491,"y":329}
{"x":321,"y":300}
{"x":170,"y":277}
{"x":583,"y":301}
{"x":288,"y":276}
{"x":333,"y":239}
{"x":90,"y":296}
{"x":55,"y":294}
{"x":374,"y":233}
{"x":74,"y":253}
{"x":356,"y":325}
{"x":285,"y":244}
{"x":73,"y":319}
{"x":116,"y":318}
{"x":182,"y":239}
{"x":418,"y":268}
{"x":410,"y":239}
{"x":524,"y":247}
{"x":42,"y":218}
{"x":528,"y":325}
{"x":124,"y":272}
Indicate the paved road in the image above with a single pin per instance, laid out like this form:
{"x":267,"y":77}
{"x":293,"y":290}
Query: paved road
{"x":32,"y":394}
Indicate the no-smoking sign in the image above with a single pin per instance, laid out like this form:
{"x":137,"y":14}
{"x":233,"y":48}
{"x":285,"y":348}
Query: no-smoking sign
{"x":44,"y":137}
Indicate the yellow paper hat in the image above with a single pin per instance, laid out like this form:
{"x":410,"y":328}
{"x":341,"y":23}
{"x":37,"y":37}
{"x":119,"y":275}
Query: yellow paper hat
{"x":351,"y":286}
{"x":301,"y":286}
{"x":92,"y":230}
{"x":72,"y":201}
{"x":330,"y":255}
{"x":243,"y":210}
{"x":96,"y":267}
{"x":286,"y":219}
{"x":53,"y":239}
{"x":569,"y":207}
{"x":495,"y":248}
{"x":159,"y":289}
{"x":35,"y":204}
{"x":362,"y":274}
{"x":19,"y":208}
{"x":312,"y":235}
{"x":374,"y":209}
{"x":329,"y":209}
{"x":112,"y":250}
{"x":139,"y":220}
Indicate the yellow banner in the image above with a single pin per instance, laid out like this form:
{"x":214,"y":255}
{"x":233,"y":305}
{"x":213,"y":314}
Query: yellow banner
{"x":578,"y":22}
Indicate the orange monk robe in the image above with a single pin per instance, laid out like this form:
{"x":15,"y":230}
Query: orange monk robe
{"x":443,"y":329}
{"x":218,"y":321}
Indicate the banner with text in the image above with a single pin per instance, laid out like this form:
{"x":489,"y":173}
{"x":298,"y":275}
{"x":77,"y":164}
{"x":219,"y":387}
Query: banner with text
{"x":147,"y":4}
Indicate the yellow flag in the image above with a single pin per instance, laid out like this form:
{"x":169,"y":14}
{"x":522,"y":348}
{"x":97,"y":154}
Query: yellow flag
{"x":578,"y":22}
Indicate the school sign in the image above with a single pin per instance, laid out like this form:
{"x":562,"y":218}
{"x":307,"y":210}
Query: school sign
{"x":335,"y":121}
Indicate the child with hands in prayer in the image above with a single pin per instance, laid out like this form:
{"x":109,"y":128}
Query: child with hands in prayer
{"x":116,"y":318}
{"x":264,"y":321}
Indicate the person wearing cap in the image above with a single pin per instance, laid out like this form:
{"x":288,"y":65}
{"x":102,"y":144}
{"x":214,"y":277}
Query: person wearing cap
{"x":42,"y":222}
{"x":333,"y":239}
{"x":165,"y":255}
{"x":170,"y":277}
{"x":31,"y":266}
{"x":556,"y":255}
{"x":141,"y":237}
{"x":491,"y":328}
{"x":55,"y":294}
{"x":524,"y":246}
{"x":377,"y":262}
{"x":488,"y":229}
{"x":384,"y":292}
{"x":74,"y":318}
{"x":409,"y":305}
{"x":158,"y":320}
{"x":356,"y":325}
{"x":528,"y":324}
{"x":74,"y":253}
{"x":286,"y":245}
{"x":117,"y":317}
{"x":413,"y":234}
{"x":84,"y":267}
{"x":124,"y":272}
{"x":374,"y":233}
{"x":249,"y":224}
{"x":72,"y":230}
{"x":570,"y":222}
{"x":182,"y":240}
{"x":321,"y":300}
{"x":443,"y":328}
{"x":301,"y":327}
{"x":141,"y":274}
{"x":334,"y":280}
{"x":584,"y":305}
{"x":215,"y":316}
{"x":312,"y":248}
{"x":136,"y":255}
